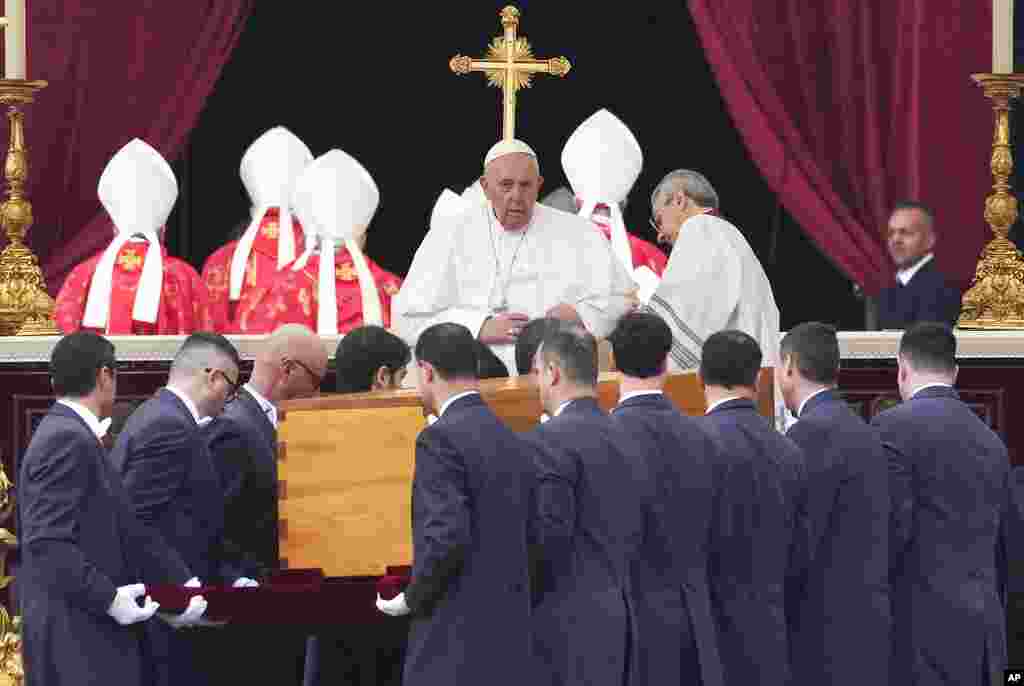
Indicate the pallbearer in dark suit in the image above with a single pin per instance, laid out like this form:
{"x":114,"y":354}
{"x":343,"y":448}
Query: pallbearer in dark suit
{"x":83,"y":555}
{"x":170,"y":477}
{"x":673,"y":635}
{"x":243,"y":444}
{"x":591,"y":498}
{"x":842,"y":620}
{"x":951,"y":501}
{"x":470,"y":595}
{"x":756,"y":523}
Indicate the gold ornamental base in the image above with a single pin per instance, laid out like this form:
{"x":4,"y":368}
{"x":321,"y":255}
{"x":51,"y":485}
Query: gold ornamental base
{"x":996,"y":297}
{"x":25,"y":307}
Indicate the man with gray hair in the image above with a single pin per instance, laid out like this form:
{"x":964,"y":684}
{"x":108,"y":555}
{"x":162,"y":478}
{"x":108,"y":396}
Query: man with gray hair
{"x":713,"y":280}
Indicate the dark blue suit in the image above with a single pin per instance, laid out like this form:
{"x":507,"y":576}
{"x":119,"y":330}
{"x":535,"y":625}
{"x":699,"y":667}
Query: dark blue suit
{"x":168,"y":473}
{"x":79,"y":541}
{"x":842,"y":620}
{"x":243,"y":445}
{"x":673,"y":637}
{"x":590,"y":517}
{"x":927,"y":297}
{"x":470,"y":593}
{"x":951,"y":499}
{"x":755,"y":528}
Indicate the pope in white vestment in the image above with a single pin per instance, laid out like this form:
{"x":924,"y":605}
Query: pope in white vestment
{"x":713,"y":280}
{"x":492,"y":266}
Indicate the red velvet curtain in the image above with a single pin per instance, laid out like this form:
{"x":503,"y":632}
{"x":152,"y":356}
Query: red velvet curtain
{"x":848,"y":107}
{"x":116,"y":71}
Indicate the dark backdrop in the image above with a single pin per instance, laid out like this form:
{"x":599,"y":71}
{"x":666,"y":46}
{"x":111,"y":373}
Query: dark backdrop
{"x":375,"y":82}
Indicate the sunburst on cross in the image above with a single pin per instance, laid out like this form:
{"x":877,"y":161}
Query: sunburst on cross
{"x":510,"y":66}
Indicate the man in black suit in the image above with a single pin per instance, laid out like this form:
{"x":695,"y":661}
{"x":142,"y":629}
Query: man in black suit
{"x":469,"y":597}
{"x":673,"y":638}
{"x":951,"y":501}
{"x":593,"y":498}
{"x":370,"y":358}
{"x":83,"y":554}
{"x":757,"y":520}
{"x":921,"y":292}
{"x":243,"y":444}
{"x":169,"y":475}
{"x":842,"y":618}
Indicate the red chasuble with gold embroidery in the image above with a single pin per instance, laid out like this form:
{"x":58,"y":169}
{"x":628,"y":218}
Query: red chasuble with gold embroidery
{"x":293,"y":298}
{"x":184,"y":304}
{"x":260,"y":274}
{"x":644,"y":254}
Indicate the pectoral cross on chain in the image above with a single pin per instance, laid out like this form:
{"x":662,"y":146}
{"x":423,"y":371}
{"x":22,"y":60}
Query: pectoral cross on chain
{"x":510,"y":65}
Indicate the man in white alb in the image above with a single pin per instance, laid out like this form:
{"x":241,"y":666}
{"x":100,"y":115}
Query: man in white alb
{"x":713,"y":280}
{"x":499,"y":263}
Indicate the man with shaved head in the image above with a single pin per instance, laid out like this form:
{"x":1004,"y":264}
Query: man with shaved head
{"x":506,"y":260}
{"x":243,"y":443}
{"x":920,"y":293}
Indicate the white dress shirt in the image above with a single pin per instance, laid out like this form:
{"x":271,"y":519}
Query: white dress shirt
{"x":722,"y":401}
{"x":98,"y":427}
{"x":929,"y":385}
{"x":800,"y":410}
{"x":905,"y":275}
{"x":633,"y":394}
{"x":449,"y":401}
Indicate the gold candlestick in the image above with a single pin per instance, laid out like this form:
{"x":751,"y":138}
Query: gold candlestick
{"x":996,"y":297}
{"x":25,"y":307}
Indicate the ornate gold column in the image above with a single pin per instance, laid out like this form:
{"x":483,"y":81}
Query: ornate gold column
{"x":996,"y":297}
{"x":25,"y":307}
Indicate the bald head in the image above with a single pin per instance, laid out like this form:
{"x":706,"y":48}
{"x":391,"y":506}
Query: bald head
{"x":291,"y":364}
{"x":512,"y":183}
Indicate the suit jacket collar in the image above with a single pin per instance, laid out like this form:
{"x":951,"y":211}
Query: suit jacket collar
{"x":736,"y":404}
{"x":651,"y":401}
{"x":462,"y":404}
{"x":822,"y":398}
{"x":582,"y":406}
{"x":170,"y":398}
{"x":254,"y":408}
{"x":62,"y":410}
{"x":937,"y":392}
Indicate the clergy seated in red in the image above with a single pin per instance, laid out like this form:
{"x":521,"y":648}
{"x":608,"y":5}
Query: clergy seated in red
{"x":260,"y":274}
{"x":645,"y":254}
{"x":183,"y":299}
{"x":293,"y":297}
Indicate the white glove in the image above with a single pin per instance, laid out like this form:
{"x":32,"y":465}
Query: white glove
{"x":192,"y":615}
{"x":244,"y":582}
{"x":396,"y":607}
{"x":545,"y":418}
{"x":124,"y":608}
{"x":194,"y":582}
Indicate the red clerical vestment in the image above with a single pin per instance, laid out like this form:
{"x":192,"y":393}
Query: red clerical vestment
{"x":260,"y":275}
{"x":183,"y":299}
{"x":293,"y":298}
{"x":644,"y":254}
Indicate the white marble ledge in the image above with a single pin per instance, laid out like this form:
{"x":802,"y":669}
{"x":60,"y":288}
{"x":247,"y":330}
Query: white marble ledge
{"x":853,"y":345}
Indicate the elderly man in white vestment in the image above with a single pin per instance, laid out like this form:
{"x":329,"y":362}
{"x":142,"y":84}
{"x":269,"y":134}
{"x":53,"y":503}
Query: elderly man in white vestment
{"x":498,"y":264}
{"x":713,"y":280}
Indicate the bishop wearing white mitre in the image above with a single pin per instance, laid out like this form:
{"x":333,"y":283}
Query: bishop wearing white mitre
{"x":498,"y":263}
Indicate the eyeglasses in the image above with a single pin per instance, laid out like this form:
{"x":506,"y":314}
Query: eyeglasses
{"x":317,"y":379}
{"x":233,"y":386}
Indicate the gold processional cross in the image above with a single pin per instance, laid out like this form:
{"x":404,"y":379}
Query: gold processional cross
{"x":510,"y":65}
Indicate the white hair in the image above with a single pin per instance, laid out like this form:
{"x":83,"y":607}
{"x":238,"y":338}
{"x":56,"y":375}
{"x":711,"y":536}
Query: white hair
{"x":693,"y":185}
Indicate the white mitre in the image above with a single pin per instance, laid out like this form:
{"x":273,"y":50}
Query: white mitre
{"x":337,"y":198}
{"x":269,"y":169}
{"x":602,"y":160}
{"x":137,"y":189}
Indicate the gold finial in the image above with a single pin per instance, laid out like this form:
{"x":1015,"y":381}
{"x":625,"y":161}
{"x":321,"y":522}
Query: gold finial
{"x":510,"y":66}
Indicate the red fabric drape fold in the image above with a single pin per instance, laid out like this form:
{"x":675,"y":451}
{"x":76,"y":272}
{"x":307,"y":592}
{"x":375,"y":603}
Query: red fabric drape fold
{"x":847,"y":108}
{"x":115,"y":72}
